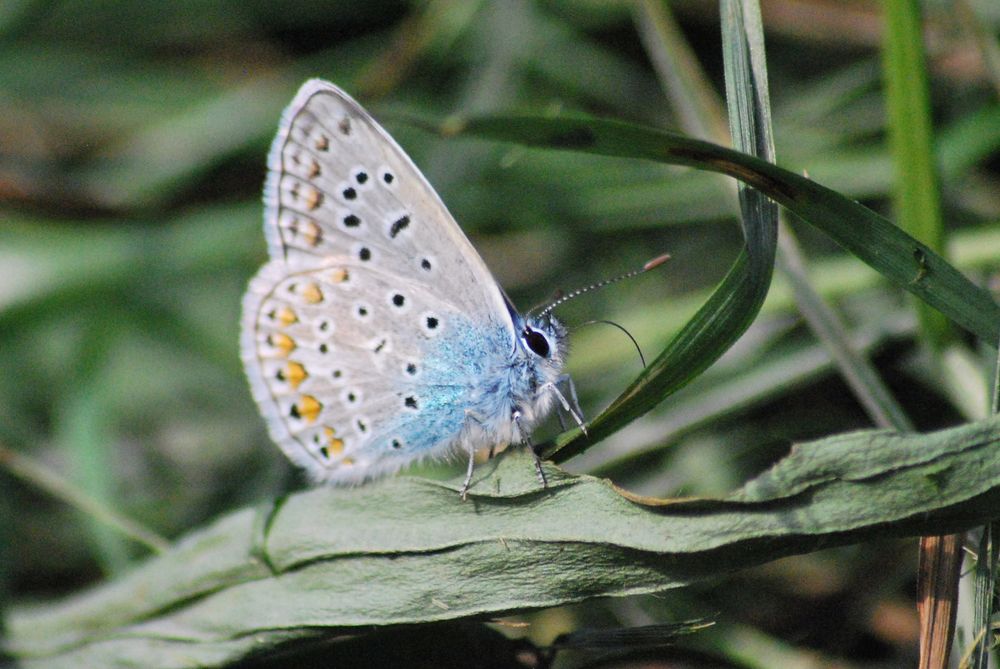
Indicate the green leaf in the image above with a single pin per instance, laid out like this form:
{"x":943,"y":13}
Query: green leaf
{"x":408,"y":550}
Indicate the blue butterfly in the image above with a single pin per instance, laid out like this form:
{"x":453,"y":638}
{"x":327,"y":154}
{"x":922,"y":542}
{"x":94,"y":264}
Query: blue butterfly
{"x":375,"y":336}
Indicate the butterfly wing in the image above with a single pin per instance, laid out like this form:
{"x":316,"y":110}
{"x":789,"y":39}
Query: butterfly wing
{"x":338,"y":183}
{"x":373,"y":325}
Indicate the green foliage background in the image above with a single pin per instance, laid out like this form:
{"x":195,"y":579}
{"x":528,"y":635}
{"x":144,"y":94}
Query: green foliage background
{"x":132,"y":146}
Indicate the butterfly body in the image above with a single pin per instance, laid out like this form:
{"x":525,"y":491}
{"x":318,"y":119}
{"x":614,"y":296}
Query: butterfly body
{"x":375,"y":335}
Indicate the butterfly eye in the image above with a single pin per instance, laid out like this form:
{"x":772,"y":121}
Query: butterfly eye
{"x":536,"y":341}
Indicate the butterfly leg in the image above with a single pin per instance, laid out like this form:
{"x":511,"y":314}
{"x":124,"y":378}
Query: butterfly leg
{"x":471,"y":415}
{"x":572,"y":409}
{"x":574,"y":401}
{"x":567,"y":380}
{"x":526,"y":440}
{"x":468,"y":473}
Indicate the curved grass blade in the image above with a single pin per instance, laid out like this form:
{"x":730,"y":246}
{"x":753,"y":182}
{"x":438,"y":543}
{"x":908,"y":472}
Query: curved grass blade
{"x":689,"y":90}
{"x":872,"y":238}
{"x":725,"y":316}
{"x":875,"y":240}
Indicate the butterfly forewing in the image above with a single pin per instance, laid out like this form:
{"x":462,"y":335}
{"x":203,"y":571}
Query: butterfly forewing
{"x":355,"y":334}
{"x":339,"y":184}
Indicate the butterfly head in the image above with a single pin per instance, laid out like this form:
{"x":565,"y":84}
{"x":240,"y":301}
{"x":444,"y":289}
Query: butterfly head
{"x":543,"y":339}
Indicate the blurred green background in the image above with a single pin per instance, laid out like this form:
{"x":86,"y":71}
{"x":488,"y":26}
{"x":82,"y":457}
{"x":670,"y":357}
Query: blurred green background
{"x":133,"y":139}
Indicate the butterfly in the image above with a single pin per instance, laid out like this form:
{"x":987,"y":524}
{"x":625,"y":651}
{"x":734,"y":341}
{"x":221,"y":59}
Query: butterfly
{"x":375,"y":336}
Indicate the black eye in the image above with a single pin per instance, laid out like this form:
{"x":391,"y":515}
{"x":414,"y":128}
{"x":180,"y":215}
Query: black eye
{"x":536,"y":341}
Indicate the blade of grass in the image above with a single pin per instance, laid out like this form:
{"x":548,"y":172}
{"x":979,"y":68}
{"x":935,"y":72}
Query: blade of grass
{"x":713,"y":329}
{"x":661,"y":39}
{"x":823,"y":321}
{"x":698,"y":108}
{"x":83,"y":432}
{"x":916,"y":198}
{"x":742,"y":17}
{"x":859,"y":373}
{"x":43,"y":478}
{"x":721,"y":320}
{"x":908,"y":263}
{"x":905,"y":261}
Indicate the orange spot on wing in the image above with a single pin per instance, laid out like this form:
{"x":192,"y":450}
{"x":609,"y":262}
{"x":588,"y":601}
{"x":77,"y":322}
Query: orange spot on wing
{"x":314,"y":198}
{"x":282,"y":342}
{"x":312,"y":233}
{"x":285,"y":316}
{"x":308,"y":408}
{"x":295,"y":374}
{"x":311,"y":293}
{"x":334,"y":444}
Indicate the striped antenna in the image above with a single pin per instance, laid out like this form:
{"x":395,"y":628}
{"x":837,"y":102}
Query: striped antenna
{"x":652,"y":264}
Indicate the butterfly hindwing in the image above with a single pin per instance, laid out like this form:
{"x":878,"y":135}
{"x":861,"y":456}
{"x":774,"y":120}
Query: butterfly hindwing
{"x":356,"y":376}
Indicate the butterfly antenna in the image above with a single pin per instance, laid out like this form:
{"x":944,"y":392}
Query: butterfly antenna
{"x":628,"y":334}
{"x":652,"y":264}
